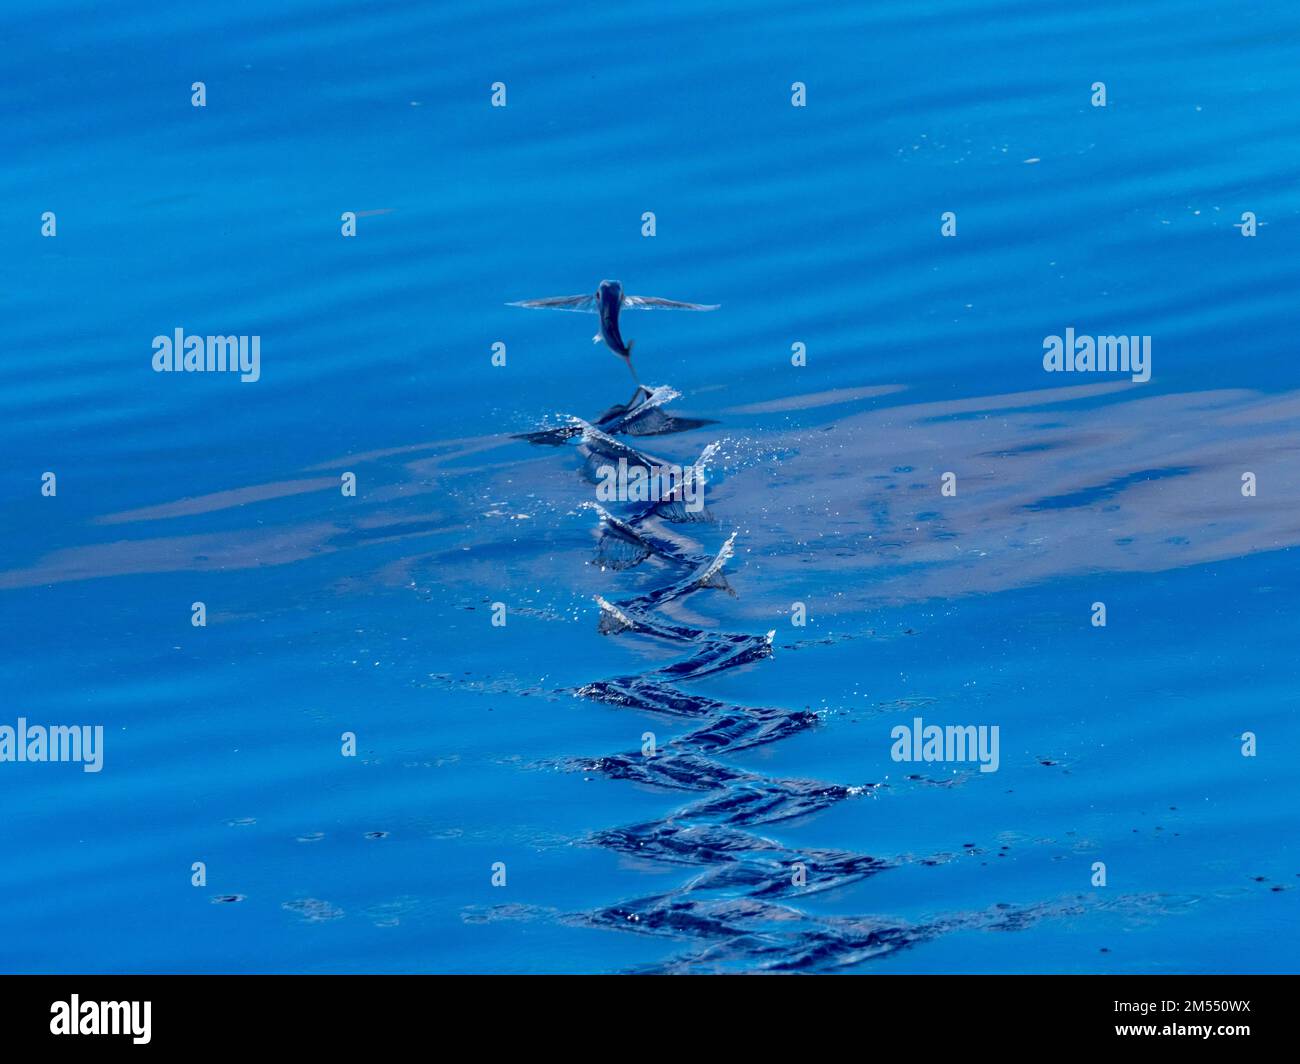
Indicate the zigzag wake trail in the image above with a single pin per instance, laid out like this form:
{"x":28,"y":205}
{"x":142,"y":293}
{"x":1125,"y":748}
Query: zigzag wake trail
{"x":737,"y":909}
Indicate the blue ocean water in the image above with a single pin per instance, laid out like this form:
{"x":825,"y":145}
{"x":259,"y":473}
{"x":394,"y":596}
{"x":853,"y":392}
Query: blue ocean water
{"x":815,"y":225}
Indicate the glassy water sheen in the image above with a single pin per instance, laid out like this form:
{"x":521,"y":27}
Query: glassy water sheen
{"x":772,"y":830}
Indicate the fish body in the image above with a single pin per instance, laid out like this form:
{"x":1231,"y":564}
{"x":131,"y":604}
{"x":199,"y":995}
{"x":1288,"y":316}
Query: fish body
{"x":609,"y":301}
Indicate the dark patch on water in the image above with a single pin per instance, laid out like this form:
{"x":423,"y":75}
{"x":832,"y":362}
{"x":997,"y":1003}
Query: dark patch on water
{"x":313,"y":910}
{"x":1100,"y":492}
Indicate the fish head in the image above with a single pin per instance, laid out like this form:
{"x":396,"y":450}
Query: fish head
{"x":611,"y":291}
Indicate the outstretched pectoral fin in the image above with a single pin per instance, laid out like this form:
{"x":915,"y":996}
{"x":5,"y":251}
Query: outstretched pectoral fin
{"x":585,"y":304}
{"x":655,"y":303}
